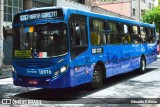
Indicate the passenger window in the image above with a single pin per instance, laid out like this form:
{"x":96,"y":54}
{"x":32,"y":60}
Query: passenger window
{"x":150,"y":35}
{"x":135,"y":35}
{"x":126,"y":37}
{"x":143,"y":34}
{"x":97,"y":30}
{"x":113,"y":31}
{"x":135,"y":29}
{"x":78,"y":34}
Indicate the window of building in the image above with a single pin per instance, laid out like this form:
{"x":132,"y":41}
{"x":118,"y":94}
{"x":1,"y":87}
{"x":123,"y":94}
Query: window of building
{"x":142,"y":12}
{"x":113,"y":31}
{"x":97,"y":29}
{"x":11,"y":7}
{"x":134,"y":12}
{"x":150,"y":6}
{"x":79,"y":1}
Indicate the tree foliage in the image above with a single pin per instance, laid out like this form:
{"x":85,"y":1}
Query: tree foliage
{"x":152,"y":16}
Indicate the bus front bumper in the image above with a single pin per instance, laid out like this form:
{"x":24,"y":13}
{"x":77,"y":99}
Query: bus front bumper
{"x":61,"y":81}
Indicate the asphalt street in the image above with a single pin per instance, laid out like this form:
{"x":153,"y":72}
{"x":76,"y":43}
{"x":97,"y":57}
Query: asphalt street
{"x":119,"y":89}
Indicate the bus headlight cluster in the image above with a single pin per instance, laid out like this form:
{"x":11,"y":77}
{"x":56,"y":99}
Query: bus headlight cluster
{"x":62,"y":70}
{"x":56,"y":73}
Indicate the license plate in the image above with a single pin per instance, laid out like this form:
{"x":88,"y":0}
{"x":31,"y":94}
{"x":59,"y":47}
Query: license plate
{"x":33,"y":82}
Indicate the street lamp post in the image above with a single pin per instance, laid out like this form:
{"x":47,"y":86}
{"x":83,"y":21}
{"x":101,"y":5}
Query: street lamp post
{"x":1,"y":34}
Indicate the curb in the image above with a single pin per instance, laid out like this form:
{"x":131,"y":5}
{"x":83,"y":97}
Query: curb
{"x":5,"y":77}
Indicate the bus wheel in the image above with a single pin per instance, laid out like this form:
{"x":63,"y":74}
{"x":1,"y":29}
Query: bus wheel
{"x":97,"y":78}
{"x":142,"y":65}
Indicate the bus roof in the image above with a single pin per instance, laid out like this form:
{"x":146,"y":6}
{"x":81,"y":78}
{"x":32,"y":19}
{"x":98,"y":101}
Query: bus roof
{"x":91,"y":14}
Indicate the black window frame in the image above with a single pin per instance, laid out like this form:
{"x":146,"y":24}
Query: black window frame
{"x":77,"y":49}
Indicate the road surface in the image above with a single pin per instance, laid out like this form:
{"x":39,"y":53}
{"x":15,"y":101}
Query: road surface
{"x":118,"y":89}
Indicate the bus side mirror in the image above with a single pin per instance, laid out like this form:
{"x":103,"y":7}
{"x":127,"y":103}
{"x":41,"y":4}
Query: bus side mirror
{"x":4,"y":33}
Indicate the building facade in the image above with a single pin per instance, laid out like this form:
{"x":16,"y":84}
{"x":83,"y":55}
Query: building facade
{"x":130,"y":8}
{"x":139,"y":7}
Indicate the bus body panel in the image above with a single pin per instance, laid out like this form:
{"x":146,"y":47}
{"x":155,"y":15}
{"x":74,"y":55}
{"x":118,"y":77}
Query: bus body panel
{"x":61,"y":81}
{"x":81,"y":69}
{"x":35,"y":70}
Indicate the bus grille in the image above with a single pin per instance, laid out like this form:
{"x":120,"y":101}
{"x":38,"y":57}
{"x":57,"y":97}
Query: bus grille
{"x":34,"y":65}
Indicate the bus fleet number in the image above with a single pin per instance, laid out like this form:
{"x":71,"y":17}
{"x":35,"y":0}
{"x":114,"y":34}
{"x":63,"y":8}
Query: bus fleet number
{"x":45,"y":72}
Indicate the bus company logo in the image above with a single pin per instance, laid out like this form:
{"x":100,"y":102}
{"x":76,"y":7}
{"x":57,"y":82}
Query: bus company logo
{"x":6,"y":101}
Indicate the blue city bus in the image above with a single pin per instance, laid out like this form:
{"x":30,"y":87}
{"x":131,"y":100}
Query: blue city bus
{"x":59,"y":47}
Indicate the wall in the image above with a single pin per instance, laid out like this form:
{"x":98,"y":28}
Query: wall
{"x":120,"y":8}
{"x":27,"y":4}
{"x":97,"y":9}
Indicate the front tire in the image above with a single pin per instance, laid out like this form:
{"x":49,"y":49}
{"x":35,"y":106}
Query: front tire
{"x":97,"y":78}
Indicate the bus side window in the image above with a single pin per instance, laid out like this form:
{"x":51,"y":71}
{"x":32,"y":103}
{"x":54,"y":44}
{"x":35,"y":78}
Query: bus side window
{"x":113,"y":32}
{"x":125,"y":33}
{"x":97,"y":32}
{"x":78,"y":34}
{"x":150,"y":35}
{"x":143,"y":34}
{"x":135,"y":35}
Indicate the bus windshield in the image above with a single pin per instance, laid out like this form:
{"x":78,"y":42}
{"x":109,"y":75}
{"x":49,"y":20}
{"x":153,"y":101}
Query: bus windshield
{"x":47,"y":39}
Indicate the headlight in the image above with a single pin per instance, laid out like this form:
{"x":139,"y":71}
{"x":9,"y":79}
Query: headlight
{"x":63,"y":69}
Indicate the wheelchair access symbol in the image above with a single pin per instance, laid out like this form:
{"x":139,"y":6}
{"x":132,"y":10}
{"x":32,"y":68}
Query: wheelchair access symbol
{"x":35,"y":54}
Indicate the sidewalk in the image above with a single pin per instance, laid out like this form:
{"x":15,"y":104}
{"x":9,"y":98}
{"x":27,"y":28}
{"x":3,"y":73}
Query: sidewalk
{"x":6,"y":72}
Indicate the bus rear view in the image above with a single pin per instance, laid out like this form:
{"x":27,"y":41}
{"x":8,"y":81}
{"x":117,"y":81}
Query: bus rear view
{"x":40,"y":49}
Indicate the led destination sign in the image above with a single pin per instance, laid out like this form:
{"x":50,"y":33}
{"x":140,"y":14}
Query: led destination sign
{"x":43,"y":14}
{"x":38,"y":16}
